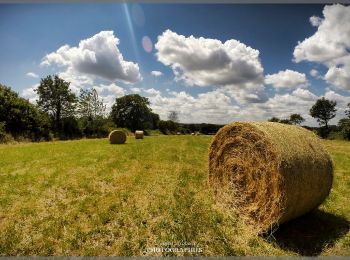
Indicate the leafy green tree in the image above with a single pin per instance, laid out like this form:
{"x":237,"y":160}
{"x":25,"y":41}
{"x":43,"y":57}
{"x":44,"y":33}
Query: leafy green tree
{"x":70,"y":128}
{"x":285,"y":121}
{"x":347,"y":112}
{"x":173,"y":116}
{"x":91,"y":112}
{"x":4,"y":137}
{"x":154,"y":121}
{"x":163,"y":127}
{"x":209,"y":128}
{"x":274,"y":119}
{"x":296,"y":119}
{"x":56,"y":99}
{"x":131,"y":111}
{"x":344,"y":126}
{"x":168,"y":127}
{"x":90,"y":105}
{"x":323,"y":110}
{"x":20,"y":118}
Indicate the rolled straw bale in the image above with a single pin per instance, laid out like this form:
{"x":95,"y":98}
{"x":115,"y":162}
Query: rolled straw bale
{"x":117,"y":137}
{"x":269,"y":173}
{"x":139,"y":134}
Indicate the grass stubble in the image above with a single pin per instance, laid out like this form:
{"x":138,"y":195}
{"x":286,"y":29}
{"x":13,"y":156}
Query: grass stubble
{"x":87,"y":197}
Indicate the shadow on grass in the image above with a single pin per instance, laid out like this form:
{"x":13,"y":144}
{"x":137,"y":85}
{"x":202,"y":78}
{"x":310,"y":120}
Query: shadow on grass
{"x":310,"y":234}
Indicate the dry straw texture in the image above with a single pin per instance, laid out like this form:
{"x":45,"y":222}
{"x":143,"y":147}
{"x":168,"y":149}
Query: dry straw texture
{"x":139,"y":134}
{"x":269,"y":173}
{"x":117,"y":137}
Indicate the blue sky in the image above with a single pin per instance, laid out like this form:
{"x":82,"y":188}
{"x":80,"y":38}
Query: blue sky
{"x":31,"y":32}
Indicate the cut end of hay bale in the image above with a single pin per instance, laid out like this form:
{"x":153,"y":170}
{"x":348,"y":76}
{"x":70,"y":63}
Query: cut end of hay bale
{"x":269,"y":173}
{"x":139,"y":134}
{"x":117,"y":137}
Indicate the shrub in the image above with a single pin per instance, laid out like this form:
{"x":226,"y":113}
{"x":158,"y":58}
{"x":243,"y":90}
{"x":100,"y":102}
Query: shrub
{"x":335,"y":135}
{"x":346,"y":133}
{"x":150,"y":132}
{"x":209,"y":128}
{"x":96,"y":128}
{"x":4,"y":137}
{"x":183,"y":130}
{"x":324,"y":131}
{"x":168,"y":127}
{"x":344,"y":128}
{"x":70,"y":129}
{"x":22,"y":119}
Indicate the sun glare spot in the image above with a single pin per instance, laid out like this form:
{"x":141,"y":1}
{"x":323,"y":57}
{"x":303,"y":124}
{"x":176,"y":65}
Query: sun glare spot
{"x":147,"y":44}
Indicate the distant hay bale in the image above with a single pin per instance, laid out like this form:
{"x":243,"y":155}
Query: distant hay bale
{"x":139,"y":134}
{"x":269,"y":173}
{"x":117,"y":137}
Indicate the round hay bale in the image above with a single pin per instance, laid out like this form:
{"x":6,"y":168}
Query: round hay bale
{"x":269,"y":173}
{"x":139,"y":134}
{"x":117,"y":137}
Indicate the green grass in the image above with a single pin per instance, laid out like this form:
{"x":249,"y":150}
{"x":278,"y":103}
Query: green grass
{"x":90,"y":198}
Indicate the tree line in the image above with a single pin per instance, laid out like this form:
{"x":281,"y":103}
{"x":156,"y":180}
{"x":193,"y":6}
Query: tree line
{"x":61,"y":114}
{"x":323,"y":111}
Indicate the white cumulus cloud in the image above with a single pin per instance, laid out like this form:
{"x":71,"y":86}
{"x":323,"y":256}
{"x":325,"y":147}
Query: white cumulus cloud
{"x":32,"y":75}
{"x":218,"y":106}
{"x":304,"y":94}
{"x":209,"y":62}
{"x":30,"y":94}
{"x":111,"y":89}
{"x":213,"y":106}
{"x":156,"y":73}
{"x":282,"y":106}
{"x":339,"y":77}
{"x":98,"y":56}
{"x":287,"y":79}
{"x":329,"y":45}
{"x":135,"y":90}
{"x":314,"y":73}
{"x":151,"y":91}
{"x":315,"y":21}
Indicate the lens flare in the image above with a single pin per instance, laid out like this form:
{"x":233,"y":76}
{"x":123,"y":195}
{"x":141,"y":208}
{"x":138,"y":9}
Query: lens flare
{"x":147,"y":44}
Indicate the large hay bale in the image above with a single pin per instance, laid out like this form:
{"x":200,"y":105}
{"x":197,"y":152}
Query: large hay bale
{"x":117,"y":137}
{"x":139,"y":134}
{"x":269,"y":173}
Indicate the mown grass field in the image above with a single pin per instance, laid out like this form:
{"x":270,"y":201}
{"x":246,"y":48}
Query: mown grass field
{"x":87,"y":197}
